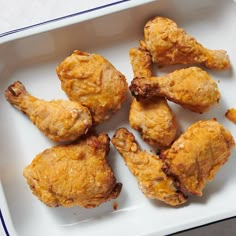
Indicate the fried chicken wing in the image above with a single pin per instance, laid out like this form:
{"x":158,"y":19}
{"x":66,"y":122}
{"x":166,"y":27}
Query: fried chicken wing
{"x":147,"y":168}
{"x":192,"y":88}
{"x":59,"y":120}
{"x":74,"y":175}
{"x":169,"y":44}
{"x":195,"y":157}
{"x":154,"y":118}
{"x":94,"y":82}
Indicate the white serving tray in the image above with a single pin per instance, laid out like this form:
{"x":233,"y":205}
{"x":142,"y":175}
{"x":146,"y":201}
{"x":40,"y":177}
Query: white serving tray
{"x":32,"y":55}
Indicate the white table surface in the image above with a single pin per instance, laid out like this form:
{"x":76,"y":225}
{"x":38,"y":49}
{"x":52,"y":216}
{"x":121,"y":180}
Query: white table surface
{"x":17,"y":14}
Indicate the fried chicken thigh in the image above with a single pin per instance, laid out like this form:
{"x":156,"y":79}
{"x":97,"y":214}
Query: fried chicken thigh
{"x":59,"y":120}
{"x":196,"y":156}
{"x":192,"y":88}
{"x":153,"y":118}
{"x":169,"y":44}
{"x":94,"y":82}
{"x":74,"y":175}
{"x":147,"y":168}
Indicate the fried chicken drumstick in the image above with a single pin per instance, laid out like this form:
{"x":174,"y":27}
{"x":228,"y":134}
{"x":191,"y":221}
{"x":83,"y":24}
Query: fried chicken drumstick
{"x":192,"y":88}
{"x":59,"y":120}
{"x":94,"y":82}
{"x":153,"y":118}
{"x":147,"y":168}
{"x":141,"y":62}
{"x":169,"y":44}
{"x":74,"y":175}
{"x":196,"y":156}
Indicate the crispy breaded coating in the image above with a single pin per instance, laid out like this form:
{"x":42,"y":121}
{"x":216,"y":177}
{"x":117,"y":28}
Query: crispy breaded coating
{"x":231,"y":115}
{"x":94,"y":82}
{"x":196,"y":156}
{"x":191,"y":88}
{"x":168,"y":44}
{"x":74,"y":175}
{"x":59,"y":120}
{"x":147,"y":168}
{"x":154,"y":120}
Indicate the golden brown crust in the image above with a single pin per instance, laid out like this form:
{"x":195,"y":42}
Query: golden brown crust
{"x":74,"y":175}
{"x":192,"y":88}
{"x":59,"y":120}
{"x":147,"y":168}
{"x":168,"y":44}
{"x":94,"y":82}
{"x":195,"y":157}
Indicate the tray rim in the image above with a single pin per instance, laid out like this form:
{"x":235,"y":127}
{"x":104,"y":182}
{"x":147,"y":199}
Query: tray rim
{"x":70,"y":19}
{"x":5,"y":218}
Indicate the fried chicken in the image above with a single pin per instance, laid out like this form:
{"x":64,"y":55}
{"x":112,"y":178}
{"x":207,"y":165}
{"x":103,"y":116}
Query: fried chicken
{"x":231,"y":115}
{"x":147,"y":168}
{"x":169,"y":44}
{"x":59,"y":120}
{"x":94,"y":82}
{"x":192,"y":88}
{"x":196,"y":156}
{"x":74,"y":175}
{"x":154,"y":118}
